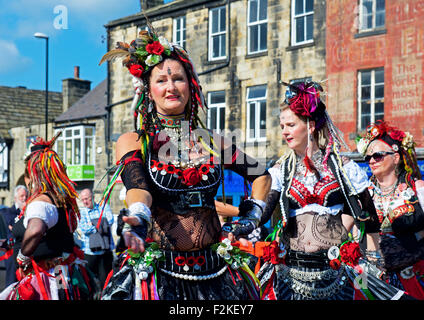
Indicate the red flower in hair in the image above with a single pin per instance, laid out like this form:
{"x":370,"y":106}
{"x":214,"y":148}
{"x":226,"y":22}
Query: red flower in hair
{"x":136,"y":70}
{"x":300,"y":109}
{"x":397,"y":135}
{"x":155,"y":48}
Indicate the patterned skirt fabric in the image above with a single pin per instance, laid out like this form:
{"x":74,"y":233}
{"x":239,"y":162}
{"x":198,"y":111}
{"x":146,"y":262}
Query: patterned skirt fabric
{"x":63,"y":282}
{"x":409,"y":279}
{"x":206,"y":278}
{"x":281,"y":282}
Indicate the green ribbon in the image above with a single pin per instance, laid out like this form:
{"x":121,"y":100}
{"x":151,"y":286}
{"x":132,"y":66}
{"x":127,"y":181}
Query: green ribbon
{"x":274,"y":232}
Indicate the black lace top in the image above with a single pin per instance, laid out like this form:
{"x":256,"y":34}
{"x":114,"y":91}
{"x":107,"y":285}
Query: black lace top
{"x":183,"y":210}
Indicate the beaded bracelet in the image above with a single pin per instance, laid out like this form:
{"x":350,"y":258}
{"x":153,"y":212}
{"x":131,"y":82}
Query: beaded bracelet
{"x":373,"y":254}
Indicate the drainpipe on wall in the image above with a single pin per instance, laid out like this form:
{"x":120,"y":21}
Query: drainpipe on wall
{"x":108,"y":108}
{"x":107,"y":124}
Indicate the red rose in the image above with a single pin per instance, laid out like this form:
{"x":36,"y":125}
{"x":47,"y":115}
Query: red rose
{"x":299,"y":109}
{"x":350,"y":253}
{"x":136,"y":70}
{"x":191,"y":177}
{"x":155,"y":48}
{"x":397,"y":135}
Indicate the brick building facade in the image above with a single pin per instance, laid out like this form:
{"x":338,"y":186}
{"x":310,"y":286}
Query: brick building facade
{"x":375,"y":64}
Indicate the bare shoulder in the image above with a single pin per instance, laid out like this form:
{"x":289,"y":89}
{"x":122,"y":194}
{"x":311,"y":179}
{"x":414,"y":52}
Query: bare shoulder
{"x":419,"y":183}
{"x":43,"y":198}
{"x":127,"y":142}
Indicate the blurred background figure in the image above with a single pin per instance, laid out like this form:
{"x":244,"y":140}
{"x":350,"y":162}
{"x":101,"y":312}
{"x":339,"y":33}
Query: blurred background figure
{"x":96,"y":239}
{"x":9,"y":215}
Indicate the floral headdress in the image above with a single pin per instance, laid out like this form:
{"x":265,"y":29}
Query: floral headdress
{"x":398,"y":140}
{"x":140,"y":56}
{"x":304,"y":99}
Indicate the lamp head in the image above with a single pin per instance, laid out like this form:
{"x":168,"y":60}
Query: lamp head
{"x":41,"y":35}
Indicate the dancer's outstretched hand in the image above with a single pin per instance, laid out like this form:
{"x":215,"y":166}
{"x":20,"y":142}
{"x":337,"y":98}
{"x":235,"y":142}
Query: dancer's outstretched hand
{"x":132,"y":240}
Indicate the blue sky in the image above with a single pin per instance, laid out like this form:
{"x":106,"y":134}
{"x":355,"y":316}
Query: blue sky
{"x":76,"y":38}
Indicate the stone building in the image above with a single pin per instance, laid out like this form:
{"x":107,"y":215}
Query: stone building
{"x":242,"y":50}
{"x":24,"y":109}
{"x":22,"y":118}
{"x":82,"y":142}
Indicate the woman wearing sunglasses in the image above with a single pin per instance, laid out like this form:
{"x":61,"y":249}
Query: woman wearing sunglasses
{"x":320,"y":196}
{"x":397,"y":191}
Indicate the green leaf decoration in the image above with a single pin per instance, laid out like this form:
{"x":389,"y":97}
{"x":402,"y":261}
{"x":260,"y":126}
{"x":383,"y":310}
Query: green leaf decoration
{"x":156,"y":59}
{"x":142,"y":52}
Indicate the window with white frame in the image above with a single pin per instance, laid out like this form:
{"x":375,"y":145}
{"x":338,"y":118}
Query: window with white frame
{"x":302,"y":30}
{"x":257,"y":24}
{"x":75,"y":146}
{"x":179,"y":31}
{"x":4,"y":164}
{"x":217,"y":33}
{"x":142,"y":28}
{"x":370,"y":97}
{"x":216,"y":111}
{"x":372,"y":14}
{"x":256,"y":113}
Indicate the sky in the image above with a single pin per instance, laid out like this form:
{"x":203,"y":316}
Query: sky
{"x":77,"y":37}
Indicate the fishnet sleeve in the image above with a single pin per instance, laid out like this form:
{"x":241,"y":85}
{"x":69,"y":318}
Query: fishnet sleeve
{"x":271,"y":203}
{"x":134,"y":174}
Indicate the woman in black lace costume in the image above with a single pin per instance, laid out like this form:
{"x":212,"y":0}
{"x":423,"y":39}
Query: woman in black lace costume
{"x":172,"y":168}
{"x":321,"y":197}
{"x":398,"y":192}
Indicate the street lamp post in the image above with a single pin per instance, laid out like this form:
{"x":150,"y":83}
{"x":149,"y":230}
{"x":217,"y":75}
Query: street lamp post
{"x":43,"y":36}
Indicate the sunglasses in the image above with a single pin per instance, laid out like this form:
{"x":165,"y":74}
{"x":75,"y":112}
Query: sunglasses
{"x":378,"y":156}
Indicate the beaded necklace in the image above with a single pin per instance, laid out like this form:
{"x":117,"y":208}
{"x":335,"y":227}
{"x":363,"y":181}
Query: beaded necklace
{"x":172,"y":126}
{"x":171,"y":121}
{"x":385,"y":201}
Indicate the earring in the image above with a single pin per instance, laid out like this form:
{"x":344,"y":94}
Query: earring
{"x":151,"y":106}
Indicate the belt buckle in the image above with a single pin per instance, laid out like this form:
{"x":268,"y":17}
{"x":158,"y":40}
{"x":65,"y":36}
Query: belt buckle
{"x":194,"y":199}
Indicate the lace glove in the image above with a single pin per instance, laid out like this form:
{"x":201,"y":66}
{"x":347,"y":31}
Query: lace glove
{"x":143,"y":215}
{"x":250,"y":213}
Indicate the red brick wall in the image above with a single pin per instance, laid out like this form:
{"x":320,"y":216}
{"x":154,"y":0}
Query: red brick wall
{"x":400,"y":51}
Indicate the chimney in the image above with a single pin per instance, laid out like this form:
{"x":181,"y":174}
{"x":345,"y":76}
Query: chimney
{"x":74,"y":89}
{"x":76,"y":72}
{"x":148,"y":4}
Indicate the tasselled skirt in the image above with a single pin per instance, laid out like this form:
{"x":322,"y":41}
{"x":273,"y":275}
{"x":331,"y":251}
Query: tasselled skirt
{"x":194,"y":275}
